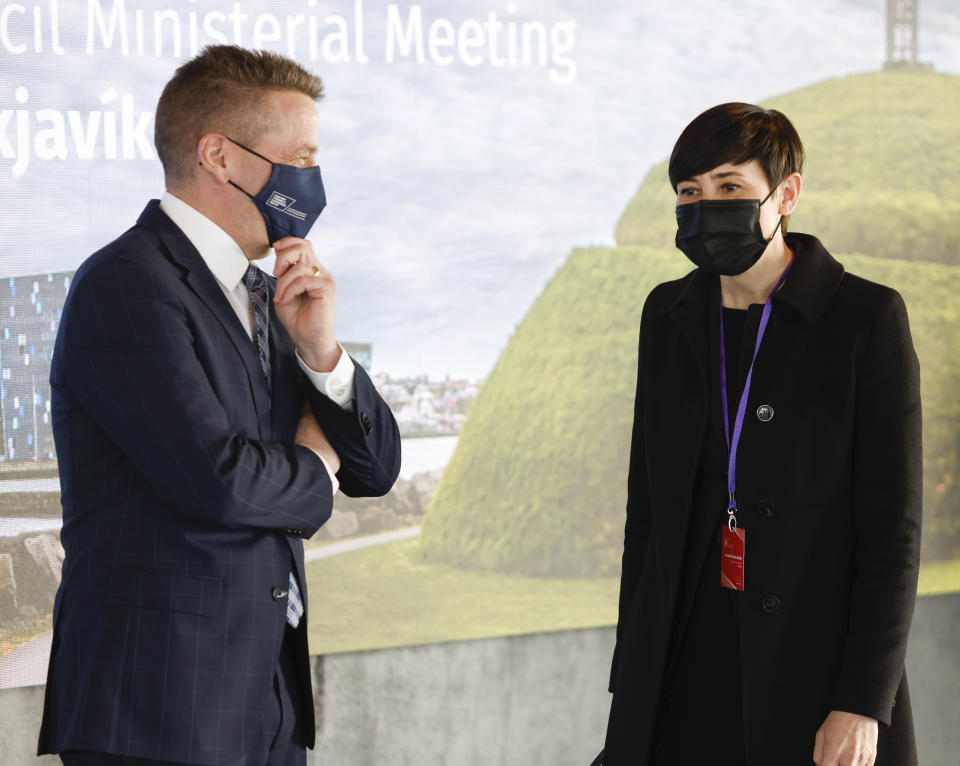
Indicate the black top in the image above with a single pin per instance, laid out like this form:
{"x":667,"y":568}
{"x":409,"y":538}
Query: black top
{"x":734,"y":321}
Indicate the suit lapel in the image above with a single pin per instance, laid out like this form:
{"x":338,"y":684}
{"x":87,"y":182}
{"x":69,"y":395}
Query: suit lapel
{"x":204,"y":285}
{"x":288,"y":397}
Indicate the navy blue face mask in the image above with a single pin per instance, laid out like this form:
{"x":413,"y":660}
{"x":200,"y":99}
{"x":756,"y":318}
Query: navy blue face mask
{"x":290,"y":201}
{"x":722,"y":236}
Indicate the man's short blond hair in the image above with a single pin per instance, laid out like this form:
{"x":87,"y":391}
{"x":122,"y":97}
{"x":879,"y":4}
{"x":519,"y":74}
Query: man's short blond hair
{"x":223,"y":89}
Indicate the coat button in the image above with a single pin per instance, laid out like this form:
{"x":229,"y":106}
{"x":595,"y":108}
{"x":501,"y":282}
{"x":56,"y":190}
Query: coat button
{"x":764,"y":413}
{"x":770,"y":604}
{"x":766,"y":508}
{"x":278,"y":593}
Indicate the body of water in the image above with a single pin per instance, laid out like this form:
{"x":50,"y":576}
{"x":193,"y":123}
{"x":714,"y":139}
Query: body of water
{"x":418,"y":455}
{"x":18,"y":525}
{"x":427,"y":454}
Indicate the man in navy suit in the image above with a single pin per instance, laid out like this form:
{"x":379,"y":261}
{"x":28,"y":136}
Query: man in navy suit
{"x":204,"y":417}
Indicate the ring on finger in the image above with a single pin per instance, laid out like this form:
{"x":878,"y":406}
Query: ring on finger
{"x":316,"y":271}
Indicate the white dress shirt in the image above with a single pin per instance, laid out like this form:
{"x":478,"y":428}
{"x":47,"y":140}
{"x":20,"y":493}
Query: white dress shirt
{"x":227,"y":262}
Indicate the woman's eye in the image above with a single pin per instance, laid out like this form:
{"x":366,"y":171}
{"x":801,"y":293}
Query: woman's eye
{"x":731,"y":188}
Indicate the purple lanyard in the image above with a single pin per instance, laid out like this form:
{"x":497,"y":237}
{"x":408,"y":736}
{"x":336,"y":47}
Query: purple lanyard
{"x":742,"y":409}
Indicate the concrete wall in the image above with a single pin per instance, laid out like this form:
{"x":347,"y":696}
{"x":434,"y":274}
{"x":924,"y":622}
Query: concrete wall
{"x":528,"y":700}
{"x":521,"y":701}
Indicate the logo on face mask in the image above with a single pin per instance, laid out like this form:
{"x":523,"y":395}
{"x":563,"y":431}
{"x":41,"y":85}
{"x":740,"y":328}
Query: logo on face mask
{"x":284,"y":204}
{"x":276,"y":207}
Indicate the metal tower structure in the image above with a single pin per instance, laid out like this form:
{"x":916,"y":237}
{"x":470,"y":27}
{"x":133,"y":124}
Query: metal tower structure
{"x":901,"y":34}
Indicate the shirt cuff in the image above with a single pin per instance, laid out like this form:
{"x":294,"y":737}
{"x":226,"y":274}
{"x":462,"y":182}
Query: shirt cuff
{"x":336,"y":384}
{"x":334,"y":481}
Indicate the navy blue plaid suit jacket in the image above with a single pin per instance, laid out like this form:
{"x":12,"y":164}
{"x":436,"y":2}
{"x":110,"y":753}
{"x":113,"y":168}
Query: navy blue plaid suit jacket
{"x":184,"y":504}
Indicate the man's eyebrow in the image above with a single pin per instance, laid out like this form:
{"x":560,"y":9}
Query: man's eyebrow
{"x":304,"y":149}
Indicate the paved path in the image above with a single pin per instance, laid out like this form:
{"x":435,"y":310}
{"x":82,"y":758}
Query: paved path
{"x":26,"y":665}
{"x":357,"y":543}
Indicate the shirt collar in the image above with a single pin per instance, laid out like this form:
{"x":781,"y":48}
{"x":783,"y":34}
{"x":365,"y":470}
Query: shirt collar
{"x":219,"y":251}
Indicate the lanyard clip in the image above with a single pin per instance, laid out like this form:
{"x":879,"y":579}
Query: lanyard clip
{"x":731,"y":513}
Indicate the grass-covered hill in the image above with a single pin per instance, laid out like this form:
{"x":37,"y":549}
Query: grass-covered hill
{"x":537,"y":484}
{"x":882,"y":174}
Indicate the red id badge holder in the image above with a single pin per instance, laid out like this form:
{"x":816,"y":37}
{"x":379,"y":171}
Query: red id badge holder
{"x":732,"y":548}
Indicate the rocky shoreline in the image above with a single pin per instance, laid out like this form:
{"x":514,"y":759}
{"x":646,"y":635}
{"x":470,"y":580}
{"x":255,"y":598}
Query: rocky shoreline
{"x":31,"y":562}
{"x":403,"y":506}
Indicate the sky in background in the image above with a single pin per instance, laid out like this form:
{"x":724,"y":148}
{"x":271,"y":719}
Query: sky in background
{"x":454,"y":192}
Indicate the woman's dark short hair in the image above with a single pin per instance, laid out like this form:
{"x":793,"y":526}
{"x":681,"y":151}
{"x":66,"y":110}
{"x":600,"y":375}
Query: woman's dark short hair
{"x":737,"y":133}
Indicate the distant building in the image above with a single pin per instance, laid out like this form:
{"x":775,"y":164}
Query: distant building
{"x":30,"y":309}
{"x":362,"y":352}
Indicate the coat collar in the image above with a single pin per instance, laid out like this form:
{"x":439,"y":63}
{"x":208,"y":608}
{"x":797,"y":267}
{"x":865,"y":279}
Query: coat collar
{"x":809,"y":287}
{"x":814,"y":278}
{"x":201,"y":280}
{"x":808,"y":290}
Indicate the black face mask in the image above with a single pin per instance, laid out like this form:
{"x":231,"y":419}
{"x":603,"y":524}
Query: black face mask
{"x":722,"y":236}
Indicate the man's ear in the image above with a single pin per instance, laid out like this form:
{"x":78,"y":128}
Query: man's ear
{"x":212,"y":156}
{"x":790,"y":194}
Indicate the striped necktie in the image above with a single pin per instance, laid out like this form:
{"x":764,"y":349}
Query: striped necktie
{"x":256,"y":285}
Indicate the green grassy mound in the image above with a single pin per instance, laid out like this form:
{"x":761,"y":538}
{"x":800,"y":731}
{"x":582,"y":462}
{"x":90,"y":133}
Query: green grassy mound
{"x":880,"y":175}
{"x":537,"y":485}
{"x":407,"y":601}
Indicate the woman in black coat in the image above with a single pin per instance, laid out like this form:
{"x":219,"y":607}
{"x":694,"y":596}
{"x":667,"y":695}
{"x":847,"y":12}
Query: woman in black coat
{"x":766,"y":599}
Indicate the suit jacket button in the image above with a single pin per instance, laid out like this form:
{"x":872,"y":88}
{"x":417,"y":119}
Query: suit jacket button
{"x":278,"y":593}
{"x":764,"y":413}
{"x":770,"y":604}
{"x":766,"y":508}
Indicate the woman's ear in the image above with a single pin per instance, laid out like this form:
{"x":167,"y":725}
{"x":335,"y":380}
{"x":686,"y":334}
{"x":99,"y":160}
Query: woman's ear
{"x":790,"y":194}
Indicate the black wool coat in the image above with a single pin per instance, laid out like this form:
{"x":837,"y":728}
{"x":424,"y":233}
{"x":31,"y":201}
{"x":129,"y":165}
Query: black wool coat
{"x":829,"y":491}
